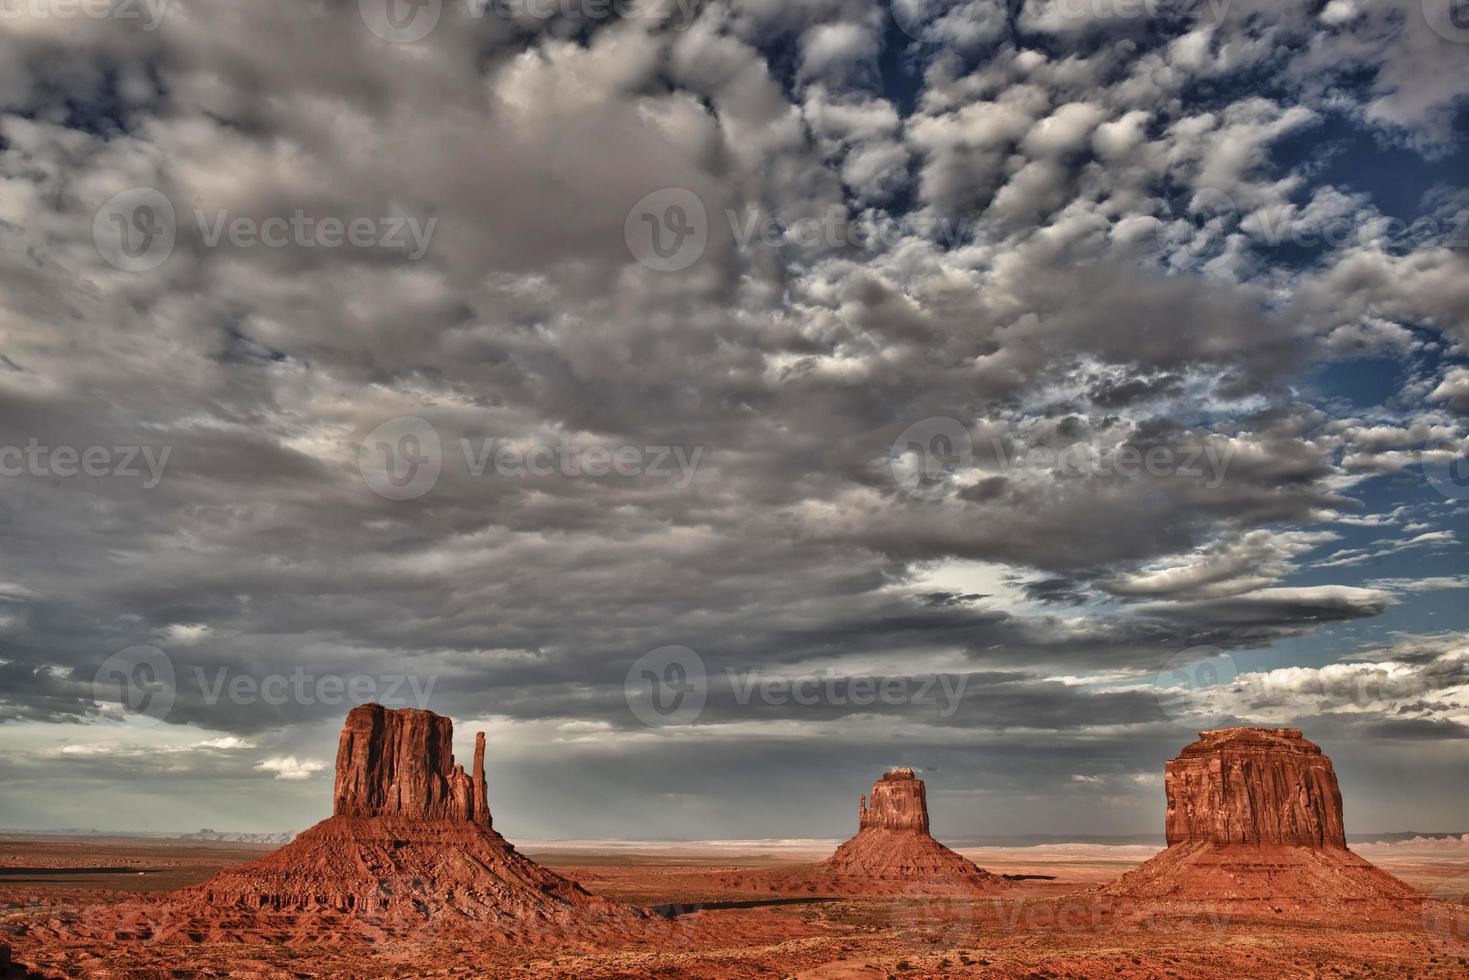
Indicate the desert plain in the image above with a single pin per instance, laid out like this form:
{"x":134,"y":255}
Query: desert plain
{"x":1051,"y":923}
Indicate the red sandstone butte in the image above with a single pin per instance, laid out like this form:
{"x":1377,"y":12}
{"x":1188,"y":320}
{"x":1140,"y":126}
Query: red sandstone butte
{"x":1254,"y":786}
{"x":1255,"y":825}
{"x":891,"y":854}
{"x":409,"y":851}
{"x":898,"y":803}
{"x":401,"y":764}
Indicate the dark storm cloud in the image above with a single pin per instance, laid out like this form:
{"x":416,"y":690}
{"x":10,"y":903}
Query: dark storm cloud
{"x":1110,"y":393}
{"x":1282,"y":606}
{"x":33,"y":692}
{"x":1057,"y":590}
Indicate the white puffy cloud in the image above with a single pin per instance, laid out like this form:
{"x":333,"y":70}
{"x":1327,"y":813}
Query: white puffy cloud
{"x":1453,"y":390}
{"x":291,"y":768}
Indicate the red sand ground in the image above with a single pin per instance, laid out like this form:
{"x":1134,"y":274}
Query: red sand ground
{"x":1057,"y":927}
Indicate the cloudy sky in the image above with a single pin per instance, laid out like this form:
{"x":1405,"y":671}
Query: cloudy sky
{"x":719,"y":402}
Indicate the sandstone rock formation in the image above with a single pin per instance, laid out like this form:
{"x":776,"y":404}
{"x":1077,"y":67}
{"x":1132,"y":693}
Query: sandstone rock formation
{"x":409,"y":851}
{"x":1254,"y":786}
{"x":1254,"y":825}
{"x":898,"y":803}
{"x":401,"y":764}
{"x":891,"y":854}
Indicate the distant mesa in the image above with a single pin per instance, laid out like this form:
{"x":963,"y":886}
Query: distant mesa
{"x":234,"y":837}
{"x":1254,"y":824}
{"x":409,"y":850}
{"x":892,"y":854}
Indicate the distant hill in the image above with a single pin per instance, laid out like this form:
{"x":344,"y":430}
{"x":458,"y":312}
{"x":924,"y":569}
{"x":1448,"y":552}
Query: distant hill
{"x":212,"y":836}
{"x":1400,"y":836}
{"x":285,"y":837}
{"x":1033,"y":840}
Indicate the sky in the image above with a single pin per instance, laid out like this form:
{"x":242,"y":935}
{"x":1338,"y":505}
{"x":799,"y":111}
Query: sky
{"x":718,"y":403}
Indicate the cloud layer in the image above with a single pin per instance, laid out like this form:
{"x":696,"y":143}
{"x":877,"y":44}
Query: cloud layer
{"x":1026,"y":345}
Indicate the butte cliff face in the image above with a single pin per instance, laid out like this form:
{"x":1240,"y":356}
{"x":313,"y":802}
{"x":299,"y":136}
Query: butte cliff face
{"x":408,"y":852}
{"x":1254,"y":825}
{"x":1254,"y":786}
{"x":891,"y":854}
{"x":898,"y":803}
{"x":401,"y":764}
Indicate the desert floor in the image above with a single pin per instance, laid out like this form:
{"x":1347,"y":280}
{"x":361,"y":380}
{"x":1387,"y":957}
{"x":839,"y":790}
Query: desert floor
{"x":1048,"y":925}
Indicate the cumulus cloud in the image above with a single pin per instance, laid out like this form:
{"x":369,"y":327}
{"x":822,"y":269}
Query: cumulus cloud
{"x":1453,"y":390}
{"x":1250,"y":561}
{"x":290,"y":767}
{"x":1420,"y":682}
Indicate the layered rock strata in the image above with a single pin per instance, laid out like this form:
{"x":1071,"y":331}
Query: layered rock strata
{"x":1254,"y":786}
